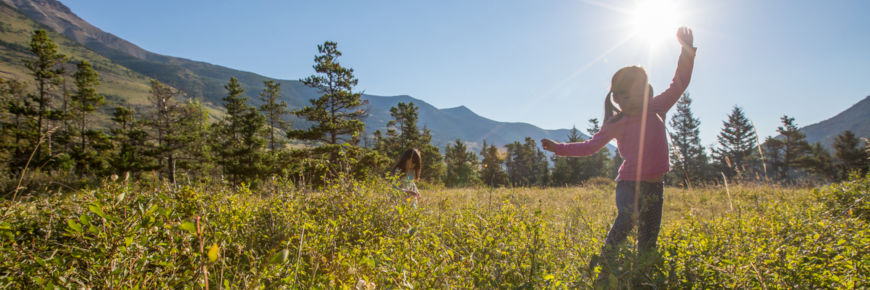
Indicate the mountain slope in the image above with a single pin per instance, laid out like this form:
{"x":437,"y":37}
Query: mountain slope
{"x":15,"y":33}
{"x":205,"y":81}
{"x":856,"y":119}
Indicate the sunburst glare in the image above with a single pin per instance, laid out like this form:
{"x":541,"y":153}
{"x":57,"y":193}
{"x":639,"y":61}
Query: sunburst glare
{"x":655,"y":20}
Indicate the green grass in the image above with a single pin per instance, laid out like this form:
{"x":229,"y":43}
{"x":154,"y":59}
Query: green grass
{"x":354,"y":233}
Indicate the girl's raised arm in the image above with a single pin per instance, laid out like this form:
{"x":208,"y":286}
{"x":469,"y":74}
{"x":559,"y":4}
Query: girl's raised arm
{"x":664,"y":101}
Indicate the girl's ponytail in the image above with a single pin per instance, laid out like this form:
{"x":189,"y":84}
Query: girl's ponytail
{"x":609,"y":109}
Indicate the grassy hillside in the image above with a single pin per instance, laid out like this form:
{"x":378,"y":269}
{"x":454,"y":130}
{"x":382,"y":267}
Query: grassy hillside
{"x":365,"y":234}
{"x":120,"y":85}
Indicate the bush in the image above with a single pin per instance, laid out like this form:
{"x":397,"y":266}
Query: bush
{"x":351,"y":232}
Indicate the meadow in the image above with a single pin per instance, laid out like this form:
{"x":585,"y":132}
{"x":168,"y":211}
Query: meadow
{"x":365,"y":235}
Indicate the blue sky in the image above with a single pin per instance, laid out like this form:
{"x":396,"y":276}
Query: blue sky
{"x":545,"y":62}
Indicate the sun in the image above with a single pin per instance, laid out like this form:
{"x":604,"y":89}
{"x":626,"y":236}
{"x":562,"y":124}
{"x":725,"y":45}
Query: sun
{"x":655,"y":20}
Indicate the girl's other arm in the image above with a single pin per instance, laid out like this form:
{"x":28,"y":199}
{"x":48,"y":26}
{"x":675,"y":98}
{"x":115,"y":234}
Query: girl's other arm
{"x":664,"y":101}
{"x":579,"y":148}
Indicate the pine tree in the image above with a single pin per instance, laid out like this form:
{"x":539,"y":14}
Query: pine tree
{"x":402,"y":134}
{"x":819,"y":162}
{"x":689,"y":161}
{"x":45,"y":68}
{"x":6,"y":135}
{"x":433,"y":161}
{"x":129,"y":135}
{"x":190,"y":139}
{"x":337,"y":113}
{"x":597,"y":164}
{"x":461,"y":165}
{"x":405,"y":117}
{"x":794,"y":147}
{"x":526,"y":164}
{"x":849,"y":155}
{"x":492,"y":172}
{"x":160,"y":122}
{"x":239,"y":135}
{"x":19,"y":125}
{"x":178,"y":129}
{"x":86,"y":100}
{"x":568,"y":170}
{"x":274,"y":112}
{"x":736,"y":143}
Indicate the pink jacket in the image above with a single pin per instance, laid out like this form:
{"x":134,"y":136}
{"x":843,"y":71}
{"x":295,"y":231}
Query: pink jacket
{"x":650,"y":161}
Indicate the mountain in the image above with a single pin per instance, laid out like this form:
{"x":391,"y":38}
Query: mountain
{"x":125,"y":69}
{"x":856,"y":119}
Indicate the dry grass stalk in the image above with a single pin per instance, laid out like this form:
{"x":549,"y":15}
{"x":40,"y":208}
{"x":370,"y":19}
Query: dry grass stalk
{"x":26,"y":165}
{"x":727,"y":191}
{"x":758,"y":144}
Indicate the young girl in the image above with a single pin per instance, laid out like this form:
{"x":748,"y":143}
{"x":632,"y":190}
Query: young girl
{"x":410,"y":163}
{"x":637,"y":124}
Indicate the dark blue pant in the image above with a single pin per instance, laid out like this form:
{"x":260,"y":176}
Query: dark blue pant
{"x":639,"y":202}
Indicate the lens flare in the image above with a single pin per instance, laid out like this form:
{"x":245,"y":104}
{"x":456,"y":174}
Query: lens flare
{"x":655,"y":20}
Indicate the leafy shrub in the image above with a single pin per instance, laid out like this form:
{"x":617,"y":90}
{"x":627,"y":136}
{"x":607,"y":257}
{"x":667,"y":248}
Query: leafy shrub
{"x":351,"y":232}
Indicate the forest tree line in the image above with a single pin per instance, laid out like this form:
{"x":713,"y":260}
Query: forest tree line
{"x":52,"y":133}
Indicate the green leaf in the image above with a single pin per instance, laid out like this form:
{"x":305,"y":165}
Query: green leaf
{"x":76,"y":227}
{"x":280,"y":257}
{"x":128,"y":241}
{"x":189,"y":227}
{"x":213,"y":252}
{"x":97,"y":210}
{"x":85,"y":219}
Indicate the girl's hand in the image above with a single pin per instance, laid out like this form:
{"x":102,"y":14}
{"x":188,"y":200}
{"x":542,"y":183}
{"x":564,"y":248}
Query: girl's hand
{"x":685,"y":37}
{"x":548,"y":144}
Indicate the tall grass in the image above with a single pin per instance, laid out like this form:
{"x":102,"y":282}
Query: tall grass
{"x":367,"y":234}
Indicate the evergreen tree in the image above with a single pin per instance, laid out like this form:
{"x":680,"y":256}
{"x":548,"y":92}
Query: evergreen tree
{"x":129,"y":135}
{"x":773,"y":157}
{"x":402,"y":133}
{"x":819,"y":162}
{"x":597,"y":164}
{"x":46,"y":67}
{"x":794,"y":148}
{"x":568,"y":170}
{"x":6,"y":135}
{"x":239,"y":136}
{"x":849,"y":155}
{"x":86,"y":100}
{"x":526,"y":164}
{"x":178,"y":129}
{"x":274,"y":112}
{"x":433,"y":161}
{"x":160,"y":122}
{"x":190,"y":139}
{"x":492,"y":172}
{"x":736,"y":143}
{"x":689,"y":159}
{"x":19,"y":124}
{"x":337,"y":113}
{"x":405,"y":117}
{"x":461,"y":165}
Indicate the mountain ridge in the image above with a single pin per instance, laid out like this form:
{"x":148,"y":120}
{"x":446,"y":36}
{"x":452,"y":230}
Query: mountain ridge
{"x":856,"y":118}
{"x":205,"y":81}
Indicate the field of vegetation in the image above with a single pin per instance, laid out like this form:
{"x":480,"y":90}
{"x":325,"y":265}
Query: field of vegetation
{"x":352,"y":234}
